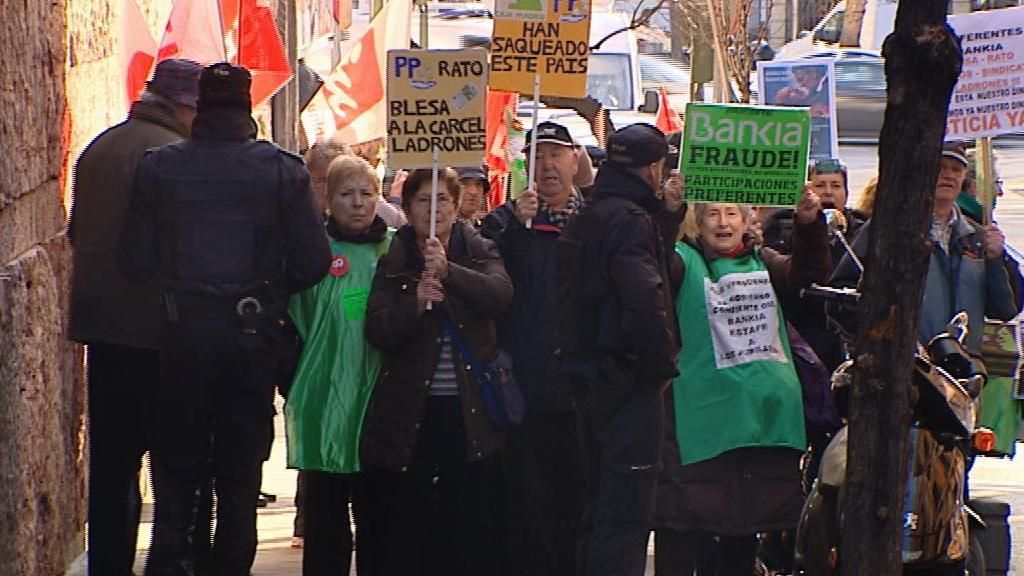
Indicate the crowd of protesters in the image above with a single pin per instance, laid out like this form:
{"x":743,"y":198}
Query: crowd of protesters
{"x":212,"y":268}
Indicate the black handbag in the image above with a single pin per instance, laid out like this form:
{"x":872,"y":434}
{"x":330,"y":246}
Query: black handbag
{"x":502,"y":397}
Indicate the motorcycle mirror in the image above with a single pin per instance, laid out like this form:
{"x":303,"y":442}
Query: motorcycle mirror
{"x":957,"y":327}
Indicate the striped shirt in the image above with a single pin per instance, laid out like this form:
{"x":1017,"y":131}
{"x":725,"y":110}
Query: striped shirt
{"x":444,"y":382}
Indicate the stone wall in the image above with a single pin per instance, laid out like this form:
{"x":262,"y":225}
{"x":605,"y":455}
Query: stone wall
{"x":41,"y":394}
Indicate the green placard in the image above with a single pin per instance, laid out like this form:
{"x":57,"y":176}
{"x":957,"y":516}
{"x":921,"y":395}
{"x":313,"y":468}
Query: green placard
{"x":745,"y":154}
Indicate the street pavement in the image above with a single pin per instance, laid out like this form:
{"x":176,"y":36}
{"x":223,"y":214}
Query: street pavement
{"x":994,"y":478}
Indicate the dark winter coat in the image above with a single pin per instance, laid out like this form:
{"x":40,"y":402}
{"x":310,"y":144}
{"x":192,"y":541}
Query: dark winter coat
{"x":219,"y":217}
{"x":527,"y":330}
{"x":477,"y":291}
{"x":745,"y":490}
{"x":809,"y":318}
{"x":627,"y":270}
{"x":106,"y":306}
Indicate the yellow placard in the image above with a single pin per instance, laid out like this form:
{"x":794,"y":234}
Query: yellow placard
{"x":546,"y":37}
{"x":436,"y":99}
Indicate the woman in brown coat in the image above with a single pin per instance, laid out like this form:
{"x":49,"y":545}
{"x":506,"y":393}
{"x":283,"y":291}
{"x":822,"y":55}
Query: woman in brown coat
{"x":427,"y":439}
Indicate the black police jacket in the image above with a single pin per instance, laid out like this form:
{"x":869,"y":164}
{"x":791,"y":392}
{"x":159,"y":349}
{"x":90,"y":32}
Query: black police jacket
{"x":221,"y":217}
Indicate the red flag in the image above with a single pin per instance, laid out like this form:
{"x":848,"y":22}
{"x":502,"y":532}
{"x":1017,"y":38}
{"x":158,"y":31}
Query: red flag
{"x":351,"y":99}
{"x":138,"y":51}
{"x":253,"y":41}
{"x":240,"y":31}
{"x":194,"y":32}
{"x":500,"y":107}
{"x":667,"y":120}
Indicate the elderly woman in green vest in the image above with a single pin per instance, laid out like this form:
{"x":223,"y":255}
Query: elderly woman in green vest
{"x":736,"y":427}
{"x":337,"y":370}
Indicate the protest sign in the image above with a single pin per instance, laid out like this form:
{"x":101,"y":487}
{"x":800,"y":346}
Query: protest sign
{"x":745,"y":154}
{"x":549,"y":38}
{"x":436,"y":99}
{"x":809,"y":83}
{"x":989,"y":98}
{"x":744,"y":319}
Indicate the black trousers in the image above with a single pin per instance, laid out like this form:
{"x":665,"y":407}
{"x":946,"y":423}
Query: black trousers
{"x":327,"y":548}
{"x":441,"y":516}
{"x":544,"y":480}
{"x":299,"y":525}
{"x":121,"y":381}
{"x":622,"y":443}
{"x":215,"y":420}
{"x":687,"y":553}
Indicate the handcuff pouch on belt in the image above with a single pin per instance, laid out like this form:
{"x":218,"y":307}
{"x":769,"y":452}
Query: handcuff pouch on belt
{"x":251,"y":323}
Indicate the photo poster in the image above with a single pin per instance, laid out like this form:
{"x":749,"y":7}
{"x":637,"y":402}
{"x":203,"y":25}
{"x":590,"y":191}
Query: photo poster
{"x":741,"y":154}
{"x":988,"y":100}
{"x":546,"y":37}
{"x":810,"y":83}
{"x":436,"y":99}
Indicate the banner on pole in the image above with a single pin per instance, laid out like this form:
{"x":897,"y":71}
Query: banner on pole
{"x":546,"y":37}
{"x":351,"y":100}
{"x":988,"y":100}
{"x":810,"y":83}
{"x":745,"y":154}
{"x":436,"y":100}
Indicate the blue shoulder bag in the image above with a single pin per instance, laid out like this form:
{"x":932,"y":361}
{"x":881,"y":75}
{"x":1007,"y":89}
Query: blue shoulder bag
{"x":503,"y":400}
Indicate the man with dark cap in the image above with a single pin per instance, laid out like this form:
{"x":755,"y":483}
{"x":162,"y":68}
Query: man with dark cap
{"x":473,"y":200}
{"x":229,"y":228}
{"x":969,"y":269}
{"x":117,"y":318}
{"x":618,"y":333}
{"x":541,"y":455}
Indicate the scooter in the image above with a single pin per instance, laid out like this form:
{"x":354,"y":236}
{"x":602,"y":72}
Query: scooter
{"x":939,"y":529}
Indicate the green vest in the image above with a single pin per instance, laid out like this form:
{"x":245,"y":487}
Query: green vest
{"x":337,"y":369}
{"x":737,"y":386}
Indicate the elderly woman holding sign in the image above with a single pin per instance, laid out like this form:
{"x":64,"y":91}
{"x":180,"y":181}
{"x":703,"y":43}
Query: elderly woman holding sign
{"x":427,"y":435}
{"x":736,"y":433}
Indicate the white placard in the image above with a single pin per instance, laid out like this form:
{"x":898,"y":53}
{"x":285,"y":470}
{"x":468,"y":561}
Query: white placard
{"x":989,"y":98}
{"x":743,"y":314}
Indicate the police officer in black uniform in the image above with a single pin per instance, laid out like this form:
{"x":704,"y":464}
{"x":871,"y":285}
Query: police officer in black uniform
{"x":228,"y":226}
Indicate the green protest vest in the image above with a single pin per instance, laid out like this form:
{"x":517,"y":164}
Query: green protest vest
{"x":737,"y":386}
{"x":337,"y":369}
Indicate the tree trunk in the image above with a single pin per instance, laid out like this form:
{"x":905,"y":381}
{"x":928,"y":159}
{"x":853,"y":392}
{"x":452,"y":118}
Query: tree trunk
{"x":853,"y":20}
{"x":923,"y":62}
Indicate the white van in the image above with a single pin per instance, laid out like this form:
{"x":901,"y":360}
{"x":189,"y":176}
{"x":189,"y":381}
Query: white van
{"x":879,"y":21}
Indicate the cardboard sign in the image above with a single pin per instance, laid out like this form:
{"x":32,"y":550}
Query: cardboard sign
{"x":745,"y":154}
{"x":989,"y":98}
{"x":546,"y":37}
{"x":436,"y":99}
{"x":810,"y":83}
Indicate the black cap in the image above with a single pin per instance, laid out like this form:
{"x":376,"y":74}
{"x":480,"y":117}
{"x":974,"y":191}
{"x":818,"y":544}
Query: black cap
{"x":551,"y":133}
{"x":471,"y":173}
{"x":636,"y":145}
{"x":222,"y":85}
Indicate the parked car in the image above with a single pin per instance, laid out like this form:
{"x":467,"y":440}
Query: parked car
{"x":657,"y":70}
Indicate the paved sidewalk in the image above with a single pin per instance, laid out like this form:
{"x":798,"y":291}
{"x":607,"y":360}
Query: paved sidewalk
{"x":275,"y":557}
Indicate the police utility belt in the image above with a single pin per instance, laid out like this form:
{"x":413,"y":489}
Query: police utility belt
{"x":252,"y":314}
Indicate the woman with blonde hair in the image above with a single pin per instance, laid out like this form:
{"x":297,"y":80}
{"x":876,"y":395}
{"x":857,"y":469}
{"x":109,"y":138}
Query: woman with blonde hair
{"x":336,"y":373}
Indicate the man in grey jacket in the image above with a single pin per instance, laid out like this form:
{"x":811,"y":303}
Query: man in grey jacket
{"x":969,"y":269}
{"x":117,"y":318}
